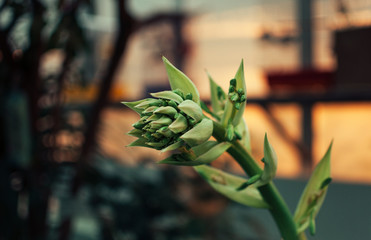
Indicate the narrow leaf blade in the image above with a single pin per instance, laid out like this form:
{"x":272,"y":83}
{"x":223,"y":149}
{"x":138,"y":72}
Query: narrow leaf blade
{"x":314,"y":193}
{"x":227,"y":184}
{"x":178,"y":80}
{"x":270,"y":162}
{"x":216,"y":103}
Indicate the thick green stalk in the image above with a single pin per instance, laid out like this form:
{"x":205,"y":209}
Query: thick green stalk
{"x":278,"y":207}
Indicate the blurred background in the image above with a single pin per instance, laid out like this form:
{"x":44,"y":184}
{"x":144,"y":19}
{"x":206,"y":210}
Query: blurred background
{"x":65,"y":66}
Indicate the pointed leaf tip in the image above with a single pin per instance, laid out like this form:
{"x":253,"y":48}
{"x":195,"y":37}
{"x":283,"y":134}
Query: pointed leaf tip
{"x":314,"y":193}
{"x":132,"y":105}
{"x":178,"y":80}
{"x":270,"y":164}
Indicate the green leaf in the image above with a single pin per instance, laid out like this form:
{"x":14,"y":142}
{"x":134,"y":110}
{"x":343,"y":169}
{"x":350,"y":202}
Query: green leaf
{"x":249,"y":182}
{"x":182,"y":159}
{"x":270,"y":164}
{"x":216,"y":102}
{"x":202,"y":154}
{"x":199,"y":133}
{"x":314,"y":194}
{"x":229,"y":112}
{"x":227,"y":184}
{"x":207,"y":109}
{"x":211,"y":152}
{"x":270,"y":167}
{"x":204,"y":147}
{"x":178,"y":80}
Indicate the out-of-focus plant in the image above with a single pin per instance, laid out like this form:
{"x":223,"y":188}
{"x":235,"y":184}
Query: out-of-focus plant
{"x":175,"y":120}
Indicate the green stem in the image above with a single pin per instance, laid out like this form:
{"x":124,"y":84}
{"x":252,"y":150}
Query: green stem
{"x":302,"y":236}
{"x":278,"y":208}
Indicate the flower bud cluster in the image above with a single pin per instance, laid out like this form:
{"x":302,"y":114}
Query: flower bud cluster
{"x":237,"y":96}
{"x":170,"y":120}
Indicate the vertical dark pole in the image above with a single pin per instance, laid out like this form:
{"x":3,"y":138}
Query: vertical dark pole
{"x":306,"y":62}
{"x":307,"y":134}
{"x":305,"y":28}
{"x":179,"y":44}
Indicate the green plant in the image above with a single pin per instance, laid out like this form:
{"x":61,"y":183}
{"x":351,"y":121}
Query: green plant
{"x":174,"y":120}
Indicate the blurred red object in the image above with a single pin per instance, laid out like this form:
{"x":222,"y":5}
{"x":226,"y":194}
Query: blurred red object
{"x":302,"y":80}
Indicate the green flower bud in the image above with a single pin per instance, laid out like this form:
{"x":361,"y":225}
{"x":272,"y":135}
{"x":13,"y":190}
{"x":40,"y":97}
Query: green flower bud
{"x":165,"y":131}
{"x":157,"y":144}
{"x":199,"y":133}
{"x":243,"y":98}
{"x":138,"y":125}
{"x":169,"y":95}
{"x":233,"y":96}
{"x":189,"y":96}
{"x":153,"y":117}
{"x":149,"y":102}
{"x":156,"y":135}
{"x":170,"y":111}
{"x":150,"y":109}
{"x":191,"y":121}
{"x":173,"y":104}
{"x":179,"y":92}
{"x":231,"y":89}
{"x":169,"y":122}
{"x":163,"y":121}
{"x":173,"y":146}
{"x":135,"y":132}
{"x":237,"y":106}
{"x":191,"y":109}
{"x":179,"y":125}
{"x":230,"y":132}
{"x":233,"y":82}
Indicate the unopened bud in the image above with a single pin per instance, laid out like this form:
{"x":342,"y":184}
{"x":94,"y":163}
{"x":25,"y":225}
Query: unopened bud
{"x":230,"y":132}
{"x":189,"y":96}
{"x":237,"y":105}
{"x":179,"y":125}
{"x":234,"y":97}
{"x":233,"y":82}
{"x":170,"y":111}
{"x":191,"y":109}
{"x":169,"y":95}
{"x":199,"y":133}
